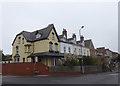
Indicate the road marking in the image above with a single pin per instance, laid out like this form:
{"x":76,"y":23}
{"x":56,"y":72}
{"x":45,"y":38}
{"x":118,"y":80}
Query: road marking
{"x":114,"y":74}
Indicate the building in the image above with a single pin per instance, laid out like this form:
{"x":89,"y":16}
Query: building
{"x":37,"y":46}
{"x":89,"y":44}
{"x":7,"y":59}
{"x":106,"y":54}
{"x":114,"y":55}
{"x":71,"y":45}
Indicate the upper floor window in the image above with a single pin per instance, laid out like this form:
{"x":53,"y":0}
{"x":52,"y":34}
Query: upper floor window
{"x":53,"y":36}
{"x":19,"y":40}
{"x":38,"y":35}
{"x":69,"y":50}
{"x":22,"y":40}
{"x":64,"y":49}
{"x":17,"y":49}
{"x":50,"y":46}
{"x":56,"y":47}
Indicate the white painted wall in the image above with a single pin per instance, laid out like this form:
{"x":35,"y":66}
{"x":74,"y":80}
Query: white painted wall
{"x":85,"y":51}
{"x":62,"y":45}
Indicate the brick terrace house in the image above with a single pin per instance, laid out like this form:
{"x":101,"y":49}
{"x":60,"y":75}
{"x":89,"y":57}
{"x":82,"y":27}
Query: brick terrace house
{"x":89,"y":44}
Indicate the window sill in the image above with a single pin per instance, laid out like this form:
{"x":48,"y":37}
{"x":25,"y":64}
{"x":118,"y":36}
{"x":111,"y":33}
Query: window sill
{"x":27,"y":52}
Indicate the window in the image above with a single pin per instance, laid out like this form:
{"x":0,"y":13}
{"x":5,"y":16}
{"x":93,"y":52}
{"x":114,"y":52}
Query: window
{"x":84,"y":52}
{"x":19,"y":40}
{"x":75,"y":51}
{"x":69,"y":50}
{"x":17,"y":49}
{"x":64,"y":49}
{"x":22,"y":40}
{"x":79,"y":52}
{"x":18,"y":59}
{"x":50,"y":46}
{"x":38,"y":35}
{"x":27,"y":48}
{"x":23,"y":60}
{"x":52,"y":36}
{"x":56,"y":47}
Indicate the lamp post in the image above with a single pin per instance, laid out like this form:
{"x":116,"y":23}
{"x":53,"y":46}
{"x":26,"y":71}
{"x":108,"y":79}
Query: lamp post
{"x":82,"y":66}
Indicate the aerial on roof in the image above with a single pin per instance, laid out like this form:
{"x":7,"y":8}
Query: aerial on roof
{"x":31,"y":36}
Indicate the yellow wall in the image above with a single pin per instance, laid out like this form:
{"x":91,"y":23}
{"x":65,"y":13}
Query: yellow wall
{"x":36,"y":47}
{"x":21,"y":46}
{"x":43,"y":45}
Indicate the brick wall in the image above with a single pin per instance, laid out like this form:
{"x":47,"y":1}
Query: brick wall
{"x":24,"y":69}
{"x":41,"y":69}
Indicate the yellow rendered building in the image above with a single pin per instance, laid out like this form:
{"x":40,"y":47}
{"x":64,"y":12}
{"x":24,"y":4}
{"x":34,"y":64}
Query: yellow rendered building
{"x":38,"y":46}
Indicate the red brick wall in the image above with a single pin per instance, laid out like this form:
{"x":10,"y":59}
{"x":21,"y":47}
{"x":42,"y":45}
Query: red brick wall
{"x":23,"y":68}
{"x":40,"y":69}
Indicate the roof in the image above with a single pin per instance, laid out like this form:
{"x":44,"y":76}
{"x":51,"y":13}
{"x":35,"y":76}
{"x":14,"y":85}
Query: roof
{"x":60,"y":36}
{"x":31,"y":36}
{"x":89,"y":44}
{"x":7,"y":58}
{"x":44,"y":54}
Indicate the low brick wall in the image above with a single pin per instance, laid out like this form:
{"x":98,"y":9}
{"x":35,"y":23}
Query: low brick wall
{"x":40,"y":69}
{"x":92,"y":69}
{"x":24,"y":69}
{"x":74,"y":70}
{"x":65,"y":69}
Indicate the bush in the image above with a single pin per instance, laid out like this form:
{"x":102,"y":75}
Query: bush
{"x":71,"y":60}
{"x":91,"y":60}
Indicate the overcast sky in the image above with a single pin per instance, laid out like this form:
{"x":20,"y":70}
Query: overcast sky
{"x":99,"y":18}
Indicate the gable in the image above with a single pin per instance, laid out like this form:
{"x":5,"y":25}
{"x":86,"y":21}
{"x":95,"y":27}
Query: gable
{"x":16,"y":38}
{"x":53,"y":32}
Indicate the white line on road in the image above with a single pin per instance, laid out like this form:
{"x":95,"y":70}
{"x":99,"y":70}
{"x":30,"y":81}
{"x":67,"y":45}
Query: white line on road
{"x":115,"y":74}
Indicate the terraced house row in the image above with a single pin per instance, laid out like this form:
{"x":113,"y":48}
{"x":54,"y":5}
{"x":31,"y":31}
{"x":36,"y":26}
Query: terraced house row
{"x":46,"y":46}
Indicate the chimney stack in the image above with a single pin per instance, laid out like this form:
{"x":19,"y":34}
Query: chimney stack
{"x":81,"y":39}
{"x":74,"y":36}
{"x":64,"y":33}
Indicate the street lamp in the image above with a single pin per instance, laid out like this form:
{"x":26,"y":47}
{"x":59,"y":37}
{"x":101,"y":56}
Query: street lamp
{"x":82,"y":66}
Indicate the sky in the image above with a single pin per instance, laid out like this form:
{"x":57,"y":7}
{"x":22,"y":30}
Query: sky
{"x":99,"y":18}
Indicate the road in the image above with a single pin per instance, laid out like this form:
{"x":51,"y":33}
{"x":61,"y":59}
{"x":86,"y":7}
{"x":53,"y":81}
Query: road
{"x":100,"y":78}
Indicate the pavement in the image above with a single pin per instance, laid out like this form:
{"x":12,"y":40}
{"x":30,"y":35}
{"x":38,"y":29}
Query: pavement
{"x":100,"y":78}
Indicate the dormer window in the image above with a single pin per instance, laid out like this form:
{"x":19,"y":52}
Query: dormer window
{"x":38,"y":35}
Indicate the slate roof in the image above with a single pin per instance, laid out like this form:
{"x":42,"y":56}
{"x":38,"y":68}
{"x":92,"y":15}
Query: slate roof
{"x":6,"y":57}
{"x":31,"y":36}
